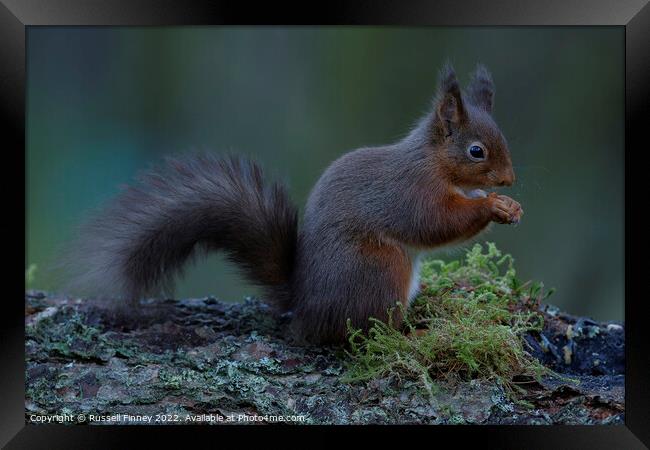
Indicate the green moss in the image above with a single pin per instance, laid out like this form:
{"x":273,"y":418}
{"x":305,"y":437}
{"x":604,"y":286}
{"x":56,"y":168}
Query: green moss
{"x":30,"y":275}
{"x":471,"y":316}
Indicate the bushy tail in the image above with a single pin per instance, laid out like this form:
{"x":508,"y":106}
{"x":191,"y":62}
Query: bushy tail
{"x":135,"y":246}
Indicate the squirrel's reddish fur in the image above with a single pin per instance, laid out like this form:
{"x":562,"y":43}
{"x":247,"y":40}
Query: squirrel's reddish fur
{"x":367,"y":218}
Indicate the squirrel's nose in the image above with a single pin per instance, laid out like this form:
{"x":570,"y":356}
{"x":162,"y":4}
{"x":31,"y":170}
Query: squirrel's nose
{"x":507,"y":179}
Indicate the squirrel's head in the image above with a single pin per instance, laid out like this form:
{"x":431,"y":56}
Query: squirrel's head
{"x":469,"y":148}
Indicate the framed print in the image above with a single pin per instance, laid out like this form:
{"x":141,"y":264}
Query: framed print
{"x":361,"y":217}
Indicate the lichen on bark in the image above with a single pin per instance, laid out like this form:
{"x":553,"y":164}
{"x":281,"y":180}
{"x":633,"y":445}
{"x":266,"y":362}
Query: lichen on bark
{"x":204,"y":357}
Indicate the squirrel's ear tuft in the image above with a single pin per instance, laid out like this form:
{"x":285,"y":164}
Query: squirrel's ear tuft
{"x":449,"y":103}
{"x":481,"y":89}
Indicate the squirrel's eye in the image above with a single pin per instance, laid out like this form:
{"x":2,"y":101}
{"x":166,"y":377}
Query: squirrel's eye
{"x":476,"y":152}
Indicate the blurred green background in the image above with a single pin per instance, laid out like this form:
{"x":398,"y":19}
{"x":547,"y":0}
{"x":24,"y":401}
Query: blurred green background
{"x":104,"y":103}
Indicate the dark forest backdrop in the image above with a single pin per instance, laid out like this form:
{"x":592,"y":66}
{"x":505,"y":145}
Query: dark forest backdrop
{"x":104,"y":103}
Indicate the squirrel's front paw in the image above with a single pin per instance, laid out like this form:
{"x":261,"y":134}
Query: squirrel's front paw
{"x":504,"y":209}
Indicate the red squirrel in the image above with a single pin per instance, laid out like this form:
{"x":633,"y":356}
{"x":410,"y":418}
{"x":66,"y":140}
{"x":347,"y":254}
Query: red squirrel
{"x":367,"y":219}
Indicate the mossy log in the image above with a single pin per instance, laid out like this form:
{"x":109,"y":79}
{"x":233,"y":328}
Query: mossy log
{"x":207,"y":361}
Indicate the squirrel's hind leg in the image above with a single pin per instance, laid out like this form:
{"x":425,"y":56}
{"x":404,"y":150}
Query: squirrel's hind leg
{"x":369,"y":280}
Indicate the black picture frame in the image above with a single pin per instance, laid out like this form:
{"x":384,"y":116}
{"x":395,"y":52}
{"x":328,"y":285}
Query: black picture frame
{"x":17,"y":15}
